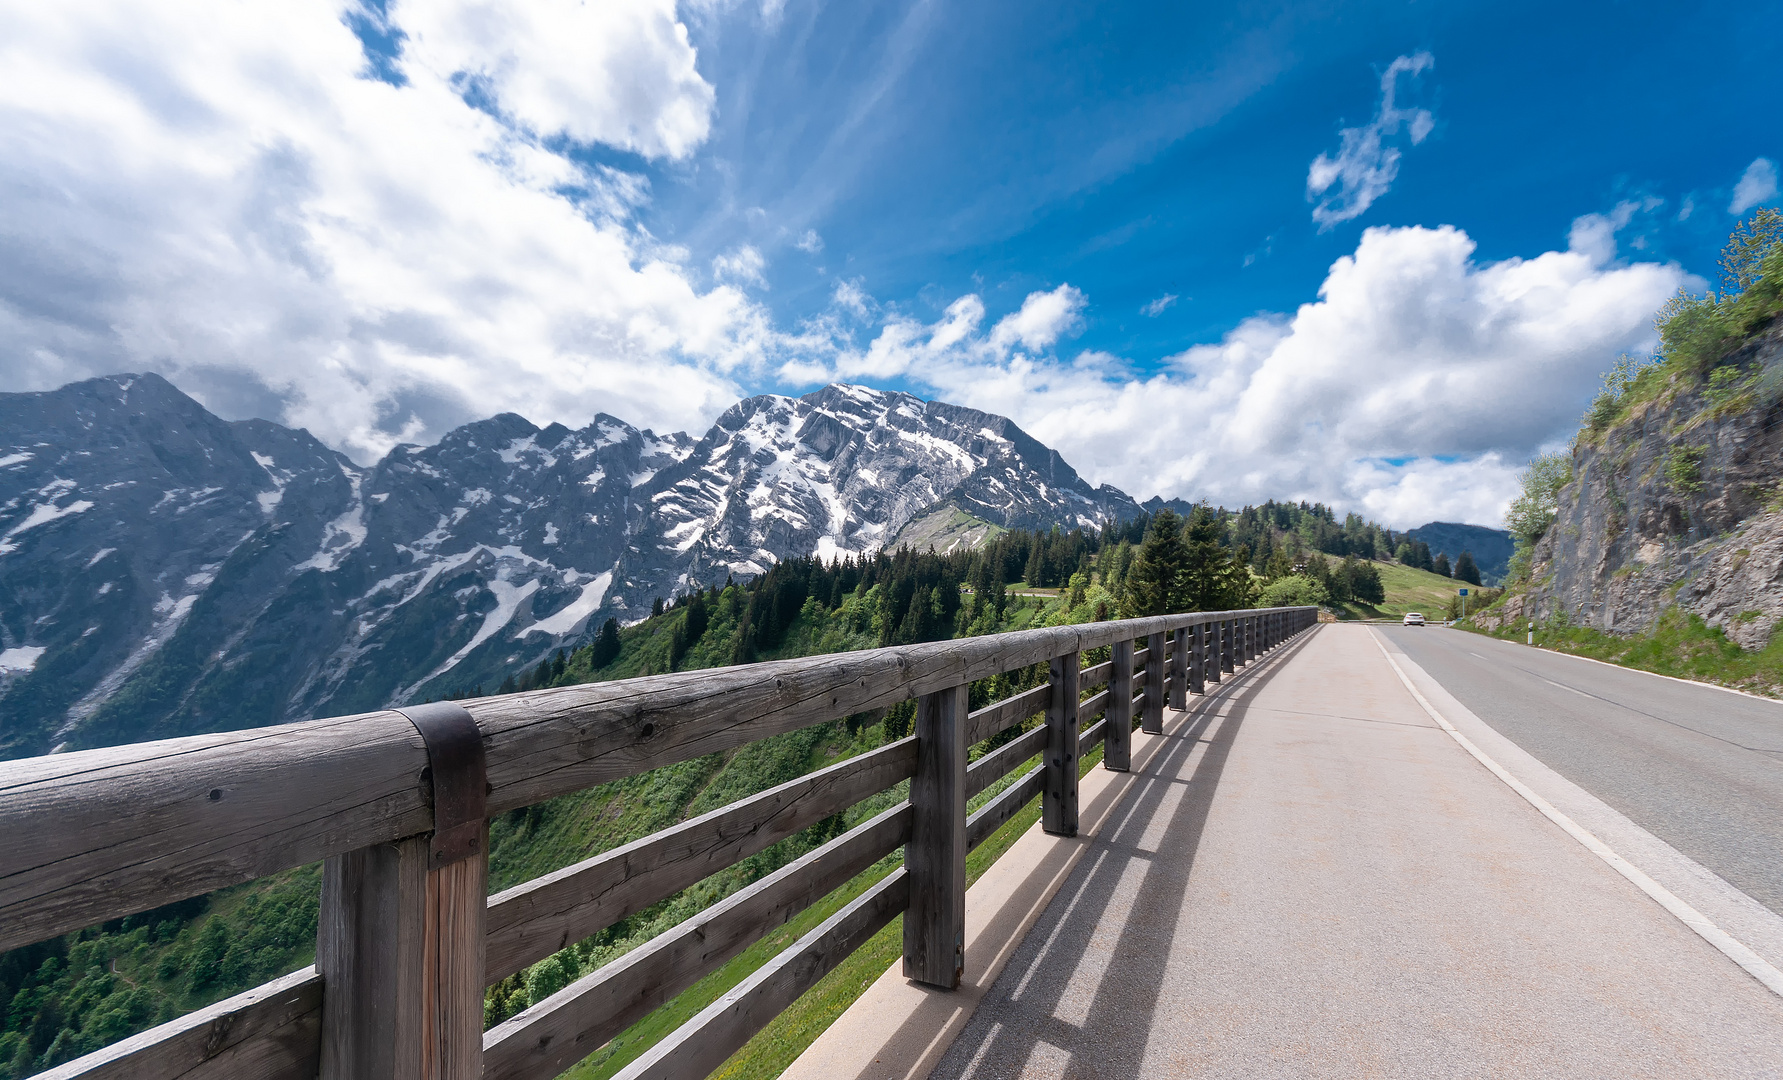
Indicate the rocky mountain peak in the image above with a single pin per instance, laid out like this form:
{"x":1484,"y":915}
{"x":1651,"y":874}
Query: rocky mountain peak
{"x":163,"y":571}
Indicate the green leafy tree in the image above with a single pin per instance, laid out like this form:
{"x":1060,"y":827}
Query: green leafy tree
{"x":1532,"y":511}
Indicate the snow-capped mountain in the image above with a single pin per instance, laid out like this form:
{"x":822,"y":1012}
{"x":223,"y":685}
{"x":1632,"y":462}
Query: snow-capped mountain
{"x":163,"y":571}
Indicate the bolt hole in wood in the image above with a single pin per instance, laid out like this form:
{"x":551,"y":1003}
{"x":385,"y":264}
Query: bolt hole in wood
{"x":408,"y":941}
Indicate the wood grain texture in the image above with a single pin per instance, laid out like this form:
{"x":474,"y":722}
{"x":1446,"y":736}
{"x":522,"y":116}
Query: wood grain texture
{"x":1179,"y":669}
{"x":998,"y":715}
{"x":215,"y":810}
{"x":700,"y":1046}
{"x":531,"y":921}
{"x":452,"y":978}
{"x":935,"y":857}
{"x":1228,"y":627}
{"x":272,"y":1032}
{"x":1008,"y":803}
{"x":997,"y":764}
{"x":1151,"y":719}
{"x":569,"y":1025}
{"x":1058,"y":813}
{"x":400,"y":949}
{"x":1092,"y":677}
{"x":1092,"y":735}
{"x":369,"y":949}
{"x":1117,"y":746}
{"x":1197,"y":659}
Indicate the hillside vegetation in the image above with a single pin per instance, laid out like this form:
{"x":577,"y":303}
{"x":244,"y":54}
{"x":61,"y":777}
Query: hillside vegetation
{"x":66,"y":997}
{"x":1657,"y":541}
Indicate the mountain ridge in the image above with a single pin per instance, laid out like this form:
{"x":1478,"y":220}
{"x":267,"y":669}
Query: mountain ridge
{"x":164,"y":571}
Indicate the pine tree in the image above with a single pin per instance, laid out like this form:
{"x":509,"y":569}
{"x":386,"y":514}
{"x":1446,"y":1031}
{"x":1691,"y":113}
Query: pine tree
{"x":1466,"y":569}
{"x":606,"y":645}
{"x":1442,"y":565}
{"x":1154,"y":582}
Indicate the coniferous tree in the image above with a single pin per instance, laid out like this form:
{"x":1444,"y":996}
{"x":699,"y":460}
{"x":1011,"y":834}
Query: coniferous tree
{"x":1154,"y":583}
{"x":606,"y":645}
{"x":1442,"y":564}
{"x":1466,"y":569}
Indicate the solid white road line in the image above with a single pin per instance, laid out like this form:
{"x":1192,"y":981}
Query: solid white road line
{"x":1755,"y":965}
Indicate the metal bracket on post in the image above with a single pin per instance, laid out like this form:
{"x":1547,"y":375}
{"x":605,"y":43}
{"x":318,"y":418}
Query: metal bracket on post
{"x":460,"y":773}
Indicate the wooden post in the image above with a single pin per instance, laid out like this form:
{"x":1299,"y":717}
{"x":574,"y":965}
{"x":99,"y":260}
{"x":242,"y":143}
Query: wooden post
{"x":1198,"y":658}
{"x":1225,"y":645}
{"x":935,"y":924}
{"x":400,"y":950}
{"x":1117,"y":737}
{"x":1058,"y":804}
{"x":400,"y":934}
{"x":1179,"y":671}
{"x":1152,"y":720}
{"x":1249,"y":638}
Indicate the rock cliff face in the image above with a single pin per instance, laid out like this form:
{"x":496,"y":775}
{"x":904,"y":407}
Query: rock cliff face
{"x":1681,"y":503}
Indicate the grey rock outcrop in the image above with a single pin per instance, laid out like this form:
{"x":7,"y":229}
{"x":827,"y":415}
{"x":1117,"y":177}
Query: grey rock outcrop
{"x":1681,"y":503}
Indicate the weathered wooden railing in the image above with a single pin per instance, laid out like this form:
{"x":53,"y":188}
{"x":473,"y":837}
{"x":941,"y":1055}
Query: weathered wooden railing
{"x":398,"y":806}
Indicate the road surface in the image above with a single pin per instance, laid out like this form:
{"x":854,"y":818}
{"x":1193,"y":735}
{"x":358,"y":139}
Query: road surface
{"x":1698,"y":767}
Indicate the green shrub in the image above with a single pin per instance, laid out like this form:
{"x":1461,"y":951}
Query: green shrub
{"x":1684,"y":469}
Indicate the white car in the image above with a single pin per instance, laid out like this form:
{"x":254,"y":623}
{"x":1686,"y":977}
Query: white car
{"x":1414,"y":618}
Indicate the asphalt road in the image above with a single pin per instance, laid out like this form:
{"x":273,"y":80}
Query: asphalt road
{"x":1311,"y":878}
{"x":1699,"y":768}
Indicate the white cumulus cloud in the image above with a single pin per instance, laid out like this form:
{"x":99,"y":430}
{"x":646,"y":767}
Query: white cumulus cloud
{"x":809,"y":242}
{"x":1366,"y":164}
{"x":223,"y":194}
{"x":1414,"y":388}
{"x":1756,"y":185}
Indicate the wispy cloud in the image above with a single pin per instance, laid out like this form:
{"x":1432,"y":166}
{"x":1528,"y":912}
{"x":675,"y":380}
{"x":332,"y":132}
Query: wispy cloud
{"x":809,"y":242}
{"x":744,"y":264}
{"x":1159,"y":306}
{"x":1757,"y":184}
{"x":1366,"y":164}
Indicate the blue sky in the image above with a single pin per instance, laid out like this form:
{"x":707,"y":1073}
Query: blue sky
{"x":1372,"y":254}
{"x":1135,"y":154}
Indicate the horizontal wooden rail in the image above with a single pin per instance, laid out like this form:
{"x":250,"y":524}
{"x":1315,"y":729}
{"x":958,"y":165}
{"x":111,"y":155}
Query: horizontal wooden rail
{"x":997,"y":764}
{"x":701,"y":1045}
{"x":531,"y":921}
{"x":272,"y":1032}
{"x":569,"y":1025}
{"x":988,"y":818}
{"x":985,"y":722}
{"x":209,"y":811}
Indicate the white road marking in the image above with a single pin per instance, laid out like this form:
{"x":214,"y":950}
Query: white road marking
{"x":1568,"y":689}
{"x":1755,"y":965}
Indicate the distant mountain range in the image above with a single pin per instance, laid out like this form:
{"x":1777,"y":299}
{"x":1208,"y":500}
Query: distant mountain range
{"x":1491,"y":548}
{"x":164,"y":572}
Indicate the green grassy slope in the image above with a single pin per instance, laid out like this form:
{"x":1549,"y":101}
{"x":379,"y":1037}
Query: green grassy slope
{"x":1407,"y":590}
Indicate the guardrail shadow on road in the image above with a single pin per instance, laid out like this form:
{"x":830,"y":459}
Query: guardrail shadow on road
{"x":1109,"y":1038}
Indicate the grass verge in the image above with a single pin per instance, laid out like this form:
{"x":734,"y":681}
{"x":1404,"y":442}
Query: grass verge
{"x":1680,"y":645}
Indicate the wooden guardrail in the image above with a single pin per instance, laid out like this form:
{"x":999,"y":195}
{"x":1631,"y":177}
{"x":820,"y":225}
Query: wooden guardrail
{"x":408,"y":940}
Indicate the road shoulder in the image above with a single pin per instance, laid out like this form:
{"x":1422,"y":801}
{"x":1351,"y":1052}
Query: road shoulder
{"x":1744,"y":919}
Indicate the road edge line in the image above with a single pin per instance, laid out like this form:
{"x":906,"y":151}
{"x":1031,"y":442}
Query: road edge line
{"x":1753,"y":964}
{"x":1626,"y":667}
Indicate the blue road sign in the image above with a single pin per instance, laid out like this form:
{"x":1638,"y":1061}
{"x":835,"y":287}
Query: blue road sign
{"x":1463,"y":592}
